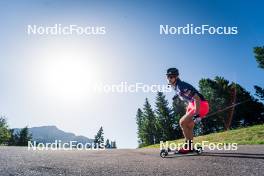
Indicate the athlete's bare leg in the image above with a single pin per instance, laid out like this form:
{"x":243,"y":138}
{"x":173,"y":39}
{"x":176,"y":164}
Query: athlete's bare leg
{"x":187,"y":125}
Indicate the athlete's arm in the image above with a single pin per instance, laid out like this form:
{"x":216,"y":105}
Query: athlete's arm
{"x":197,"y":101}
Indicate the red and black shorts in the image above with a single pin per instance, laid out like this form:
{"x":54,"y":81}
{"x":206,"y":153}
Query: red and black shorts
{"x":204,"y":108}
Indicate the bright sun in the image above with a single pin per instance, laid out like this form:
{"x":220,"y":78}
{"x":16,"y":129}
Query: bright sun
{"x":68,"y":73}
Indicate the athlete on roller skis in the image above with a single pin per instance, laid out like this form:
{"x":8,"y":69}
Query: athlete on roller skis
{"x":197,"y":108}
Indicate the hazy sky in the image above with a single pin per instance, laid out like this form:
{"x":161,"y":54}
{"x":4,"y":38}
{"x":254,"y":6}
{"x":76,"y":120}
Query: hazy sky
{"x":47,"y":80}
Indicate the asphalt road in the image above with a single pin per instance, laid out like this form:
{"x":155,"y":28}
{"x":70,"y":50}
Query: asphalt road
{"x":247,"y":160}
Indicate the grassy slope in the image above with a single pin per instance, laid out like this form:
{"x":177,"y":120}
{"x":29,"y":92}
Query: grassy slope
{"x":249,"y":135}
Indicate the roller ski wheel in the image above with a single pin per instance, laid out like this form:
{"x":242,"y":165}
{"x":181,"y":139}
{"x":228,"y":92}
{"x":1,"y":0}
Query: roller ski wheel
{"x":163,"y":153}
{"x":199,"y":150}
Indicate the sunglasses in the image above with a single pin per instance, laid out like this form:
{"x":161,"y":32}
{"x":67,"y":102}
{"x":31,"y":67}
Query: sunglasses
{"x":171,"y":76}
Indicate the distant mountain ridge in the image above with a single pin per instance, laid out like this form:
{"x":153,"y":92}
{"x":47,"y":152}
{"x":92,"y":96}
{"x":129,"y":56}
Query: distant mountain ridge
{"x":48,"y":134}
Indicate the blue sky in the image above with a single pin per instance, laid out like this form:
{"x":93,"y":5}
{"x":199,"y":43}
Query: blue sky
{"x":132,"y":50}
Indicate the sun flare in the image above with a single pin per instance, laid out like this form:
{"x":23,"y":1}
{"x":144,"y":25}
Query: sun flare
{"x":67,"y":73}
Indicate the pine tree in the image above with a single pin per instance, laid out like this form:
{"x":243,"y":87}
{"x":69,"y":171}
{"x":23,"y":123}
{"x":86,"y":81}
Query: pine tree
{"x":149,"y":125}
{"x":165,"y":120}
{"x":259,"y":92}
{"x":259,"y":55}
{"x":107,"y":144}
{"x":14,"y":138}
{"x":140,"y":122}
{"x":113,"y":144}
{"x":99,"y":138}
{"x":4,"y":131}
{"x":24,"y":137}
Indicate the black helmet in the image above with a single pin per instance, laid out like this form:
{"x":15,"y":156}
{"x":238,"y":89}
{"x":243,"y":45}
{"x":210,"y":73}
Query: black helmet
{"x":172,"y":71}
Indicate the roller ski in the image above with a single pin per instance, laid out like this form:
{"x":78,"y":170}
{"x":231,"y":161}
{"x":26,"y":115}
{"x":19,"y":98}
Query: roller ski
{"x":182,"y":152}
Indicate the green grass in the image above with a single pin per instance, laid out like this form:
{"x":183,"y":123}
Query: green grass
{"x":249,"y":135}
